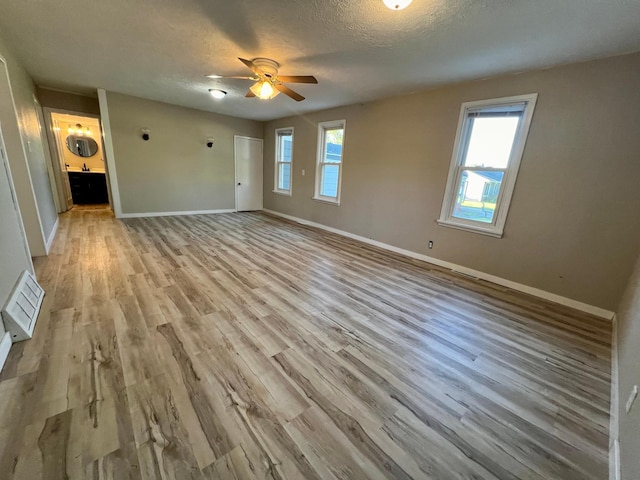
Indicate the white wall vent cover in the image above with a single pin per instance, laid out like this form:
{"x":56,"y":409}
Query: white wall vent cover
{"x":21,"y":310}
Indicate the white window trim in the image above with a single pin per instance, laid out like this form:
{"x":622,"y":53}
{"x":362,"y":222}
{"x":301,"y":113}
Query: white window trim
{"x":277,"y":163}
{"x":322,"y":126}
{"x":496,"y":228}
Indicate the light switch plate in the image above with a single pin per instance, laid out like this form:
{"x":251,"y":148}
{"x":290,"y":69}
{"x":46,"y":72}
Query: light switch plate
{"x":632,"y":398}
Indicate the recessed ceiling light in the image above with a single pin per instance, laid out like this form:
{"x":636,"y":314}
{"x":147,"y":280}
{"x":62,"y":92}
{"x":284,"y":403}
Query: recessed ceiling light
{"x":397,"y":4}
{"x":217,"y":93}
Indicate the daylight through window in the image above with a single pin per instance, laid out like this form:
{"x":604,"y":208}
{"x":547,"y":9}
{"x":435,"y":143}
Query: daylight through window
{"x":489,"y":145}
{"x":284,"y":160}
{"x":329,"y":167}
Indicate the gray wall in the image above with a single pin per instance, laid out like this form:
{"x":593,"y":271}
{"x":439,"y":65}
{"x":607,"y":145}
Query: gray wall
{"x":629,"y":375}
{"x":572,"y":227}
{"x":28,"y":154}
{"x":174,"y":171}
{"x":68,"y":101}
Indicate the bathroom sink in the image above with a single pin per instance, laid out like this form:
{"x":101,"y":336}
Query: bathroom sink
{"x":79,"y":170}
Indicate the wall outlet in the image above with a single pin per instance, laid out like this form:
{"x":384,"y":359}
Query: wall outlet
{"x":303,"y":172}
{"x":632,"y":398}
{"x":430,"y":244}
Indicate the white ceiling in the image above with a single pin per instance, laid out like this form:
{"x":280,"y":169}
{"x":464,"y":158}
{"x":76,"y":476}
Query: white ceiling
{"x":358,"y":50}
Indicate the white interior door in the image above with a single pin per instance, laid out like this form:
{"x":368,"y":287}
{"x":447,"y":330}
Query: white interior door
{"x":49,"y":162}
{"x":14,"y":254}
{"x":248,"y":156}
{"x":64,"y":176}
{"x":58,"y":165}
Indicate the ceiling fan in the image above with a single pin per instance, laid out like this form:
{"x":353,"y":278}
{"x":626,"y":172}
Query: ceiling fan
{"x":268,"y":83}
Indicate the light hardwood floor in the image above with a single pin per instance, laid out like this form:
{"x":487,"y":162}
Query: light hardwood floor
{"x":241,"y":346}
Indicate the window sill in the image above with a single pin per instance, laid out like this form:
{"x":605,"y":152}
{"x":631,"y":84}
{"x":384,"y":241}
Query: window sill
{"x":335,"y":203}
{"x":470,"y":228}
{"x":280,"y":192}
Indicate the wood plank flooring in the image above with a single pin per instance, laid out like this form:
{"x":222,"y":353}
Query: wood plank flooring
{"x":241,"y":346}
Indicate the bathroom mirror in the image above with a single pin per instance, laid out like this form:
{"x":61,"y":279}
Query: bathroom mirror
{"x":82,"y":146}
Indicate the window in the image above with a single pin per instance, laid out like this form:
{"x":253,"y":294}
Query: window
{"x":284,"y":160}
{"x":486,"y":156}
{"x":329,"y":168}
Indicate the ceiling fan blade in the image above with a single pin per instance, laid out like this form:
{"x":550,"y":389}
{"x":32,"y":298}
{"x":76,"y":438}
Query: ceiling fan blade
{"x":250,"y":94}
{"x":287,"y":91}
{"x":297,"y":78}
{"x":215,"y":77}
{"x":250,"y":65}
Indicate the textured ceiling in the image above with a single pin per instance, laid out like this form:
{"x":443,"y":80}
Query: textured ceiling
{"x":358,"y":50}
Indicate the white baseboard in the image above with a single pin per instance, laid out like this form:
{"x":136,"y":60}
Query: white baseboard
{"x":614,"y":461}
{"x":614,"y":408}
{"x":52,"y":235}
{"x":536,"y":292}
{"x":174,"y":214}
{"x":5,"y":346}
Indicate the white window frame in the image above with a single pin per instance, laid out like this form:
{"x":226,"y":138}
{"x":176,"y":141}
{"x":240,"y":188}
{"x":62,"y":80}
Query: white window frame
{"x":278,"y":162}
{"x":322,"y":128}
{"x":496,"y":228}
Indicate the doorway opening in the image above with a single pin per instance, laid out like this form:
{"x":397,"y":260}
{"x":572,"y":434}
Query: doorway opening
{"x":77,"y":154}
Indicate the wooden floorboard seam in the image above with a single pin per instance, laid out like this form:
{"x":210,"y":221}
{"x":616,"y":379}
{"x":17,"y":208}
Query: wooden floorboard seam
{"x":244,"y":346}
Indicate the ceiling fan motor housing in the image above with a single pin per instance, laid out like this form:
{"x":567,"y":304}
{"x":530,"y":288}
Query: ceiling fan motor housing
{"x":267,"y":66}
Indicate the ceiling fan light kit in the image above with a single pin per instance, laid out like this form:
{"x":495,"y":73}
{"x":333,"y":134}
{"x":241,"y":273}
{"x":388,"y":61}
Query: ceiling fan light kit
{"x":397,"y":4}
{"x":217,"y":94}
{"x":268,"y":84}
{"x":264,"y":90}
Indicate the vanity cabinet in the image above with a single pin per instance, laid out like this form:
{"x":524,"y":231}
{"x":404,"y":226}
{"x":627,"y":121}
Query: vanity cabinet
{"x":88,"y":188}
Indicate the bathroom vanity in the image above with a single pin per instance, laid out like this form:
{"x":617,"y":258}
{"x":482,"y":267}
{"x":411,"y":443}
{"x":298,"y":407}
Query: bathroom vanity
{"x":85,"y":167}
{"x":88,"y":187}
